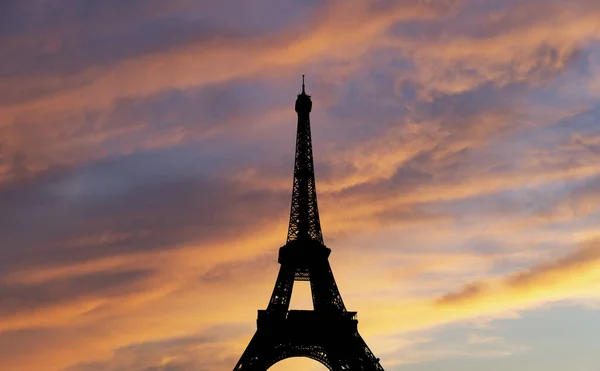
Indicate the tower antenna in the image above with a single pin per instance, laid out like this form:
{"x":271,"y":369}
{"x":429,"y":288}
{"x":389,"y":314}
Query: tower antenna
{"x":303,"y":84}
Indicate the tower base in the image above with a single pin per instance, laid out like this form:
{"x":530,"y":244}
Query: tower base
{"x":329,"y":338}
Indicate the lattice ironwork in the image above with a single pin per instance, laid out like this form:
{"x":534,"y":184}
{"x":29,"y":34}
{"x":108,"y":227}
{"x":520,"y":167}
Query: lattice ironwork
{"x":304,"y":214}
{"x":327,"y":334}
{"x":325,"y":293}
{"x":333,"y":341}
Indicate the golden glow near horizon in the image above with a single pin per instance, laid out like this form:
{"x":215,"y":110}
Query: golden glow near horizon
{"x":146,"y":157}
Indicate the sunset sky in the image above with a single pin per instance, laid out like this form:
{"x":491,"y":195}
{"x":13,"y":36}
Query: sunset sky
{"x":146,"y":158}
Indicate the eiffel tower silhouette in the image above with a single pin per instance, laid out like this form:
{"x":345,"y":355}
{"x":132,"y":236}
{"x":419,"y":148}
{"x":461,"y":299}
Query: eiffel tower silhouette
{"x":329,"y":333}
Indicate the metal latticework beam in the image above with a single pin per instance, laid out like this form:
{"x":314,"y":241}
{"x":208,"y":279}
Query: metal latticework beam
{"x":304,"y":214}
{"x":331,"y":340}
{"x":325,"y":293}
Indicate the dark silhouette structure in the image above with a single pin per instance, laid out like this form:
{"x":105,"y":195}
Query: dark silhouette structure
{"x":328,"y":333}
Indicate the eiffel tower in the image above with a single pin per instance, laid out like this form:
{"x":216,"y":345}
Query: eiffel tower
{"x":329,"y":333}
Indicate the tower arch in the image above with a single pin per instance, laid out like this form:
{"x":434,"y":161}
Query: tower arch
{"x":314,"y":352}
{"x":299,"y":363}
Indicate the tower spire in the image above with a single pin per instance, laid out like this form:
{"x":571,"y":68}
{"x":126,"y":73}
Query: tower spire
{"x":304,"y":215}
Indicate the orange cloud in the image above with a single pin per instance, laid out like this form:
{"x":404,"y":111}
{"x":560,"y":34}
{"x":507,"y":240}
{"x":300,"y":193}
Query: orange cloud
{"x":573,"y":276}
{"x":219,"y":60}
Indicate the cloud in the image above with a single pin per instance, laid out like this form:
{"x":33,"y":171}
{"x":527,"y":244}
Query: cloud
{"x":572,"y":275}
{"x":179,"y":67}
{"x":208,"y":350}
{"x":168,"y":119}
{"x":144,"y":205}
{"x":518,"y":41}
{"x":583,"y":261}
{"x":470,"y":291}
{"x":445,"y":344}
{"x":19,"y":298}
